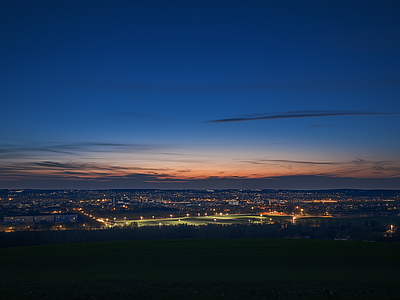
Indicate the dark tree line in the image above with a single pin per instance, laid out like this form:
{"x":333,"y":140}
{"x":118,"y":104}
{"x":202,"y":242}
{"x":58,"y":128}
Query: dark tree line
{"x":322,"y":230}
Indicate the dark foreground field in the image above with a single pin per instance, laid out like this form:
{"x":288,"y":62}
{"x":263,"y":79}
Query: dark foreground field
{"x":202,"y":269}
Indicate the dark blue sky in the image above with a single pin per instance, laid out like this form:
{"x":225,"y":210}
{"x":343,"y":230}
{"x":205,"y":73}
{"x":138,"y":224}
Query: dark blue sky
{"x":180,"y":94}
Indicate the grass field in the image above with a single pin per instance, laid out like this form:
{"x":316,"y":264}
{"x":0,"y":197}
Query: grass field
{"x":202,"y":269}
{"x":204,"y":220}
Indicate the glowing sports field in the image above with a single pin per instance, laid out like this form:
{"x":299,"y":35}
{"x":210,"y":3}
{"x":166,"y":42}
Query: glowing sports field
{"x":204,"y":220}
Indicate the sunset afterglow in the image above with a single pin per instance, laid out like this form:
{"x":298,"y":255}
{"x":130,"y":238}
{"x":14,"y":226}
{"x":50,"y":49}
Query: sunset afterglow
{"x":201,"y":95}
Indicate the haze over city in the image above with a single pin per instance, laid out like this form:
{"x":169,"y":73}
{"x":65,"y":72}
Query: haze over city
{"x":199,"y":94}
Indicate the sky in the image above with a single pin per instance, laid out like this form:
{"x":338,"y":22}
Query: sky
{"x":199,"y":94}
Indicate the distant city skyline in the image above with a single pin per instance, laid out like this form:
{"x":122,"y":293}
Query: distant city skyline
{"x":200,"y":94}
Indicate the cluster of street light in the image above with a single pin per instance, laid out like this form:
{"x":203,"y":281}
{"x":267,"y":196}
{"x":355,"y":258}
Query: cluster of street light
{"x":107,"y":221}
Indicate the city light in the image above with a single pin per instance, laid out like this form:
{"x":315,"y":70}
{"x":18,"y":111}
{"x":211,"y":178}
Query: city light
{"x":218,"y":205}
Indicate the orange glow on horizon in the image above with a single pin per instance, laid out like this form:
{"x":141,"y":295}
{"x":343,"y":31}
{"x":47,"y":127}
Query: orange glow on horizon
{"x":195,"y":166}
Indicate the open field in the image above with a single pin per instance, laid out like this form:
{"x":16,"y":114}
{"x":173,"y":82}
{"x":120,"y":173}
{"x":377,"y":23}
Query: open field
{"x":212,"y":219}
{"x":202,"y":269}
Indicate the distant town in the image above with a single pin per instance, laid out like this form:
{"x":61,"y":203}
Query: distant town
{"x":33,"y":209}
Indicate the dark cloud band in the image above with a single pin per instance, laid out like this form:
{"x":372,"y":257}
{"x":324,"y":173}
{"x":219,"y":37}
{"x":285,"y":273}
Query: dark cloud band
{"x":304,"y":114}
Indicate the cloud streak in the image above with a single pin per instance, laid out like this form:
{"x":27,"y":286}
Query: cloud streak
{"x":74,"y":169}
{"x":266,"y":161}
{"x":300,"y":114}
{"x":8,"y":151}
{"x":160,"y":181}
{"x":357,"y":167}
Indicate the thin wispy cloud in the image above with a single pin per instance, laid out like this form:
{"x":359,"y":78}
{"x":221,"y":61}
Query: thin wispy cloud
{"x":337,"y":168}
{"x":300,"y":114}
{"x":66,"y":169}
{"x":268,"y":161}
{"x":43,"y":156}
{"x":10,"y":151}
